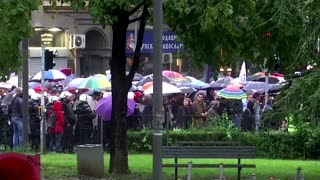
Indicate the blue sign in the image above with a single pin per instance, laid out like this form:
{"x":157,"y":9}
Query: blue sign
{"x":170,"y":44}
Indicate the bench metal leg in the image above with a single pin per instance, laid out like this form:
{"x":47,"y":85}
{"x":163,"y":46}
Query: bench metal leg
{"x":221,"y":176}
{"x":189,"y":170}
{"x":176,"y":169}
{"x":239,"y":169}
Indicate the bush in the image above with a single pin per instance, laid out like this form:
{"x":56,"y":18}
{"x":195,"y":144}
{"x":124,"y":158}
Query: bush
{"x":304,"y":143}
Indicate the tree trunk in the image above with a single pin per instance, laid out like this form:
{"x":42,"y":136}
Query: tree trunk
{"x":121,"y":83}
{"x":119,"y":151}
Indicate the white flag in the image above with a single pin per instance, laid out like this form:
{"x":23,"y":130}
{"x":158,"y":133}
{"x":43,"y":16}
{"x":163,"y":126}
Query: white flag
{"x":243,"y":73}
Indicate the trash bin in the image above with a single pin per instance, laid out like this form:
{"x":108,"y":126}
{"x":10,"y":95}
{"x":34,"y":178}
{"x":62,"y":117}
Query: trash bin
{"x":90,"y":160}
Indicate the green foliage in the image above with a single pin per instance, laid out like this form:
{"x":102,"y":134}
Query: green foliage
{"x":222,"y":32}
{"x":303,"y":143}
{"x":302,"y":98}
{"x":15,"y":25}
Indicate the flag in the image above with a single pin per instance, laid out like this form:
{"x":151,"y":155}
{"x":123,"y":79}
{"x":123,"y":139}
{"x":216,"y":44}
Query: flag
{"x":243,"y":73}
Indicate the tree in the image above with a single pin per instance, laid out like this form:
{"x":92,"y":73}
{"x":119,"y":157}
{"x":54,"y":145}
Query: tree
{"x":119,"y":14}
{"x":15,"y":25}
{"x":222,"y":32}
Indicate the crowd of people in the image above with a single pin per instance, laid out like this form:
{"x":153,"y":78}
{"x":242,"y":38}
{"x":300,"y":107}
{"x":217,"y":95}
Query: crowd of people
{"x":75,"y":121}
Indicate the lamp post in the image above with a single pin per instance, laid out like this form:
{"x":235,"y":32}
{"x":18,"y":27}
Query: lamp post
{"x":157,"y":90}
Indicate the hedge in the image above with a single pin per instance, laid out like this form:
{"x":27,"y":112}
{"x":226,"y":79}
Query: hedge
{"x":302,"y":144}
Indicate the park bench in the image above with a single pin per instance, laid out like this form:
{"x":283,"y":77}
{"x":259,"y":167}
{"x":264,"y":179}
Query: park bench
{"x":208,"y":149}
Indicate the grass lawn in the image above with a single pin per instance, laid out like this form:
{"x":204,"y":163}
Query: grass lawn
{"x":64,"y":166}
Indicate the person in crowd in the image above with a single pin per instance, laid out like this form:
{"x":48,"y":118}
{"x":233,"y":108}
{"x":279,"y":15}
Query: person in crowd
{"x":257,"y":110}
{"x":184,"y":115}
{"x":213,"y":116}
{"x":175,"y":103}
{"x":56,"y":132}
{"x":147,"y":111}
{"x":211,"y":95}
{"x":167,"y":123}
{"x":35,"y":119}
{"x":199,"y":108}
{"x":70,"y":120}
{"x":17,"y":118}
{"x":84,"y":125}
{"x":6,"y":131}
{"x":248,"y":123}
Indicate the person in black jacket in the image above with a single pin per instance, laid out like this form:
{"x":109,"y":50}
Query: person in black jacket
{"x":84,"y":125}
{"x":67,"y":142}
{"x":34,"y":103}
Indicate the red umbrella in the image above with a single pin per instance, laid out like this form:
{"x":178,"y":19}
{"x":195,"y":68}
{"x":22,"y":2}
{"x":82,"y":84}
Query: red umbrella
{"x":38,"y":88}
{"x":66,"y":71}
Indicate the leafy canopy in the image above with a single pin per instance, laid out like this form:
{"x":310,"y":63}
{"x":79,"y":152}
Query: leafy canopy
{"x":15,"y":25}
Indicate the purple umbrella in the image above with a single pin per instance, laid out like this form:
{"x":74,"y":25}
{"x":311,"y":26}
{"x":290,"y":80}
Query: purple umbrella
{"x":104,"y":107}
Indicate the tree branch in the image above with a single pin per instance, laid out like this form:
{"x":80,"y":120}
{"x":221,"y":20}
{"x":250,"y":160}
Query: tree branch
{"x":135,"y":19}
{"x":136,"y":58}
{"x":137,"y":7}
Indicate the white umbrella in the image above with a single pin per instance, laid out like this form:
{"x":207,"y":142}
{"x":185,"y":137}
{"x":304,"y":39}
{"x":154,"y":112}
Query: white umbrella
{"x":166,"y":89}
{"x":52,"y":74}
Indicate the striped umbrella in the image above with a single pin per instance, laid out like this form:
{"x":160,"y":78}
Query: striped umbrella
{"x":94,"y":82}
{"x":51,"y":74}
{"x":232,"y":93}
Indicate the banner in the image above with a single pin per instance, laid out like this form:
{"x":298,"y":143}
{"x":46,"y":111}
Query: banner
{"x":170,"y":44}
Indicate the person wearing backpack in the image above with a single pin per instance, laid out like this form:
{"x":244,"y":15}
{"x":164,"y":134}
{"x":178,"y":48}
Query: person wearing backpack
{"x":55,"y":126}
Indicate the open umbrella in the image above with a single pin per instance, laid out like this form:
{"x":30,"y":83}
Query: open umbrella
{"x":232,"y":93}
{"x":94,"y":82}
{"x":196,"y":83}
{"x":66,"y":71}
{"x":104,"y":107}
{"x":149,"y":78}
{"x":52,"y":74}
{"x":256,"y":85}
{"x":172,"y":75}
{"x":166,"y":89}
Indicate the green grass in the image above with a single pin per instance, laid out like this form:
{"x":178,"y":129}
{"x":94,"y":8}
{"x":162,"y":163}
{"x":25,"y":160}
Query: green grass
{"x":64,"y":166}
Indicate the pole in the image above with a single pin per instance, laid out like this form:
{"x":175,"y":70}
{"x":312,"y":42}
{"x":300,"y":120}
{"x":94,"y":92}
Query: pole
{"x":25,"y":87}
{"x":43,"y":112}
{"x":157,"y":90}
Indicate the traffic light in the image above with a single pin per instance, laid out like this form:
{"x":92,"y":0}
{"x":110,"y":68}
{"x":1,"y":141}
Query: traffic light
{"x":48,"y":60}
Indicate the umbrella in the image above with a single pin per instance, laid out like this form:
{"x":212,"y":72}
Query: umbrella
{"x":104,"y":107}
{"x":255,"y":85}
{"x":66,"y":71}
{"x":37,"y":88}
{"x":232,"y":93}
{"x":94,"y":82}
{"x":195,"y":82}
{"x":75,"y":82}
{"x":5,"y":85}
{"x":149,"y":78}
{"x":172,"y":75}
{"x":225,"y":80}
{"x":166,"y":89}
{"x":136,"y":77}
{"x":187,"y":90}
{"x":234,"y":85}
{"x":216,"y":86}
{"x":33,"y":84}
{"x":52,"y":74}
{"x":69,"y":78}
{"x":255,"y":76}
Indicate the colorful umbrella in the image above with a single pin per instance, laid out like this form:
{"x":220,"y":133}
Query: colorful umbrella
{"x":196,"y":83}
{"x":172,"y":75}
{"x":52,"y":74}
{"x":94,"y":82}
{"x":166,"y":89}
{"x":37,"y":88}
{"x":232,"y":93}
{"x":104,"y":107}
